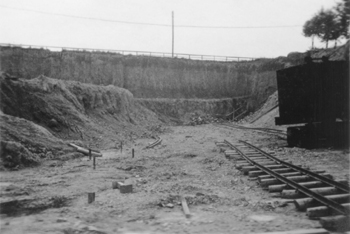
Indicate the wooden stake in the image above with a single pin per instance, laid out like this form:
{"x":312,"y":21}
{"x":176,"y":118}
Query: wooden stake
{"x":89,"y":154}
{"x":185,"y":207}
{"x":91,"y":197}
{"x":121,"y":146}
{"x":94,"y":162}
{"x":133,"y":153}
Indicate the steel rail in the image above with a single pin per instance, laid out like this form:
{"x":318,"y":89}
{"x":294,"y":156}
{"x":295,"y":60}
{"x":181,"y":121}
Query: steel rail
{"x":276,"y":132}
{"x":325,"y":180}
{"x":327,"y":202}
{"x":158,"y":140}
{"x":262,"y":129}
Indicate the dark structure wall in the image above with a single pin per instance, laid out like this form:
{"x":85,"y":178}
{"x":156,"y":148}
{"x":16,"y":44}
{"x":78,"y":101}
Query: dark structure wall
{"x":148,"y":77}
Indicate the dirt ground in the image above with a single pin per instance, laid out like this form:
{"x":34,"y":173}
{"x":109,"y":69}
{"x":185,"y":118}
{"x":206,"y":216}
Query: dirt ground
{"x":52,"y":198}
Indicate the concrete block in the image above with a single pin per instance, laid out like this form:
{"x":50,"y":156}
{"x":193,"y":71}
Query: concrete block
{"x":125,"y":188}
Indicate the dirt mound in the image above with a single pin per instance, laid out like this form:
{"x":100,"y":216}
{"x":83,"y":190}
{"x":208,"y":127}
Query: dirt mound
{"x":334,"y":54}
{"x":50,"y":110}
{"x":26,"y":143}
{"x":271,"y":105}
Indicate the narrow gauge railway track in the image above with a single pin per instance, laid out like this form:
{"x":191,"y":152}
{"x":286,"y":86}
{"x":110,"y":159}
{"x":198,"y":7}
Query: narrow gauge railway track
{"x":312,"y":191}
{"x":280,"y":133}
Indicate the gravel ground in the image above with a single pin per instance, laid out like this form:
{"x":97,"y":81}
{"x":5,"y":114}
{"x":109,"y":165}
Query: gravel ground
{"x":52,"y":198}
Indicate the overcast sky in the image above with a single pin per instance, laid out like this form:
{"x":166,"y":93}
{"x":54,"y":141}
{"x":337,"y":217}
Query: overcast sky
{"x":250,"y":28}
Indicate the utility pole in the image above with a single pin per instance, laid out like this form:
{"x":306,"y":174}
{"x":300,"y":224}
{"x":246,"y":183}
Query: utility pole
{"x":172,"y":51}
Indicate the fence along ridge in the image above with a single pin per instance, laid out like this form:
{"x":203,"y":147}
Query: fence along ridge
{"x":140,"y":53}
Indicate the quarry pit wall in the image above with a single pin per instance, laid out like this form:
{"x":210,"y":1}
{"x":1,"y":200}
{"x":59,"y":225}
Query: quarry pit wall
{"x":149,"y":77}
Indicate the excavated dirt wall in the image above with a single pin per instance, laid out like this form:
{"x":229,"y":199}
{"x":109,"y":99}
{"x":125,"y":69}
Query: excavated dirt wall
{"x":184,"y":109}
{"x":148,"y":77}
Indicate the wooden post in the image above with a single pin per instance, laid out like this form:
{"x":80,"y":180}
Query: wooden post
{"x":133,"y":153}
{"x":94,"y":162}
{"x":121,"y":146}
{"x":91,"y":197}
{"x":89,"y":154}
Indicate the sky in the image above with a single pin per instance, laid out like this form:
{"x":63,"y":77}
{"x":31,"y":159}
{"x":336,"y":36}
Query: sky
{"x":244,"y":28}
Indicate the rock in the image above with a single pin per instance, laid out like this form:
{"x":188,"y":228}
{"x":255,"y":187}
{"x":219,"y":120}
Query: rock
{"x":262,"y":218}
{"x":169,"y":205}
{"x":61,"y":220}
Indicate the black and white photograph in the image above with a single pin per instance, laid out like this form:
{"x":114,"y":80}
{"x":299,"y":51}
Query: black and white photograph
{"x":174,"y":116}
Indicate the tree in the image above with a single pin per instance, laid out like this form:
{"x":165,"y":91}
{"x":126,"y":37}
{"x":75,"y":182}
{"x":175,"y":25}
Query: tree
{"x":312,"y":28}
{"x":342,"y":11}
{"x":329,"y":25}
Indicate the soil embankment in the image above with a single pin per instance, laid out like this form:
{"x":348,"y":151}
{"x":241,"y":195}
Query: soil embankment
{"x":41,"y":113}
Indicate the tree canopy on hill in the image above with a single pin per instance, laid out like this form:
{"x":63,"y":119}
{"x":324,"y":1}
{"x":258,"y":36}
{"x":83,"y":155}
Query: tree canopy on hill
{"x":329,"y":25}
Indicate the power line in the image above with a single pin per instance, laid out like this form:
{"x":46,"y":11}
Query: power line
{"x":152,"y":24}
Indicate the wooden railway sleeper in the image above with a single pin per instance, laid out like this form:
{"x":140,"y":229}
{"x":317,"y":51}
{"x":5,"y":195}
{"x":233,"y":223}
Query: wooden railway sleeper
{"x":260,"y":172}
{"x":294,"y":173}
{"x":333,"y":205}
{"x":303,"y":203}
{"x":309,"y":184}
{"x":267,"y":182}
{"x":321,"y":211}
{"x":294,"y":194}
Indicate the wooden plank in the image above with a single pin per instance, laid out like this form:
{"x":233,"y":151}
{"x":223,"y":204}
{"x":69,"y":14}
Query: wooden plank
{"x":185,"y":207}
{"x":84,"y":151}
